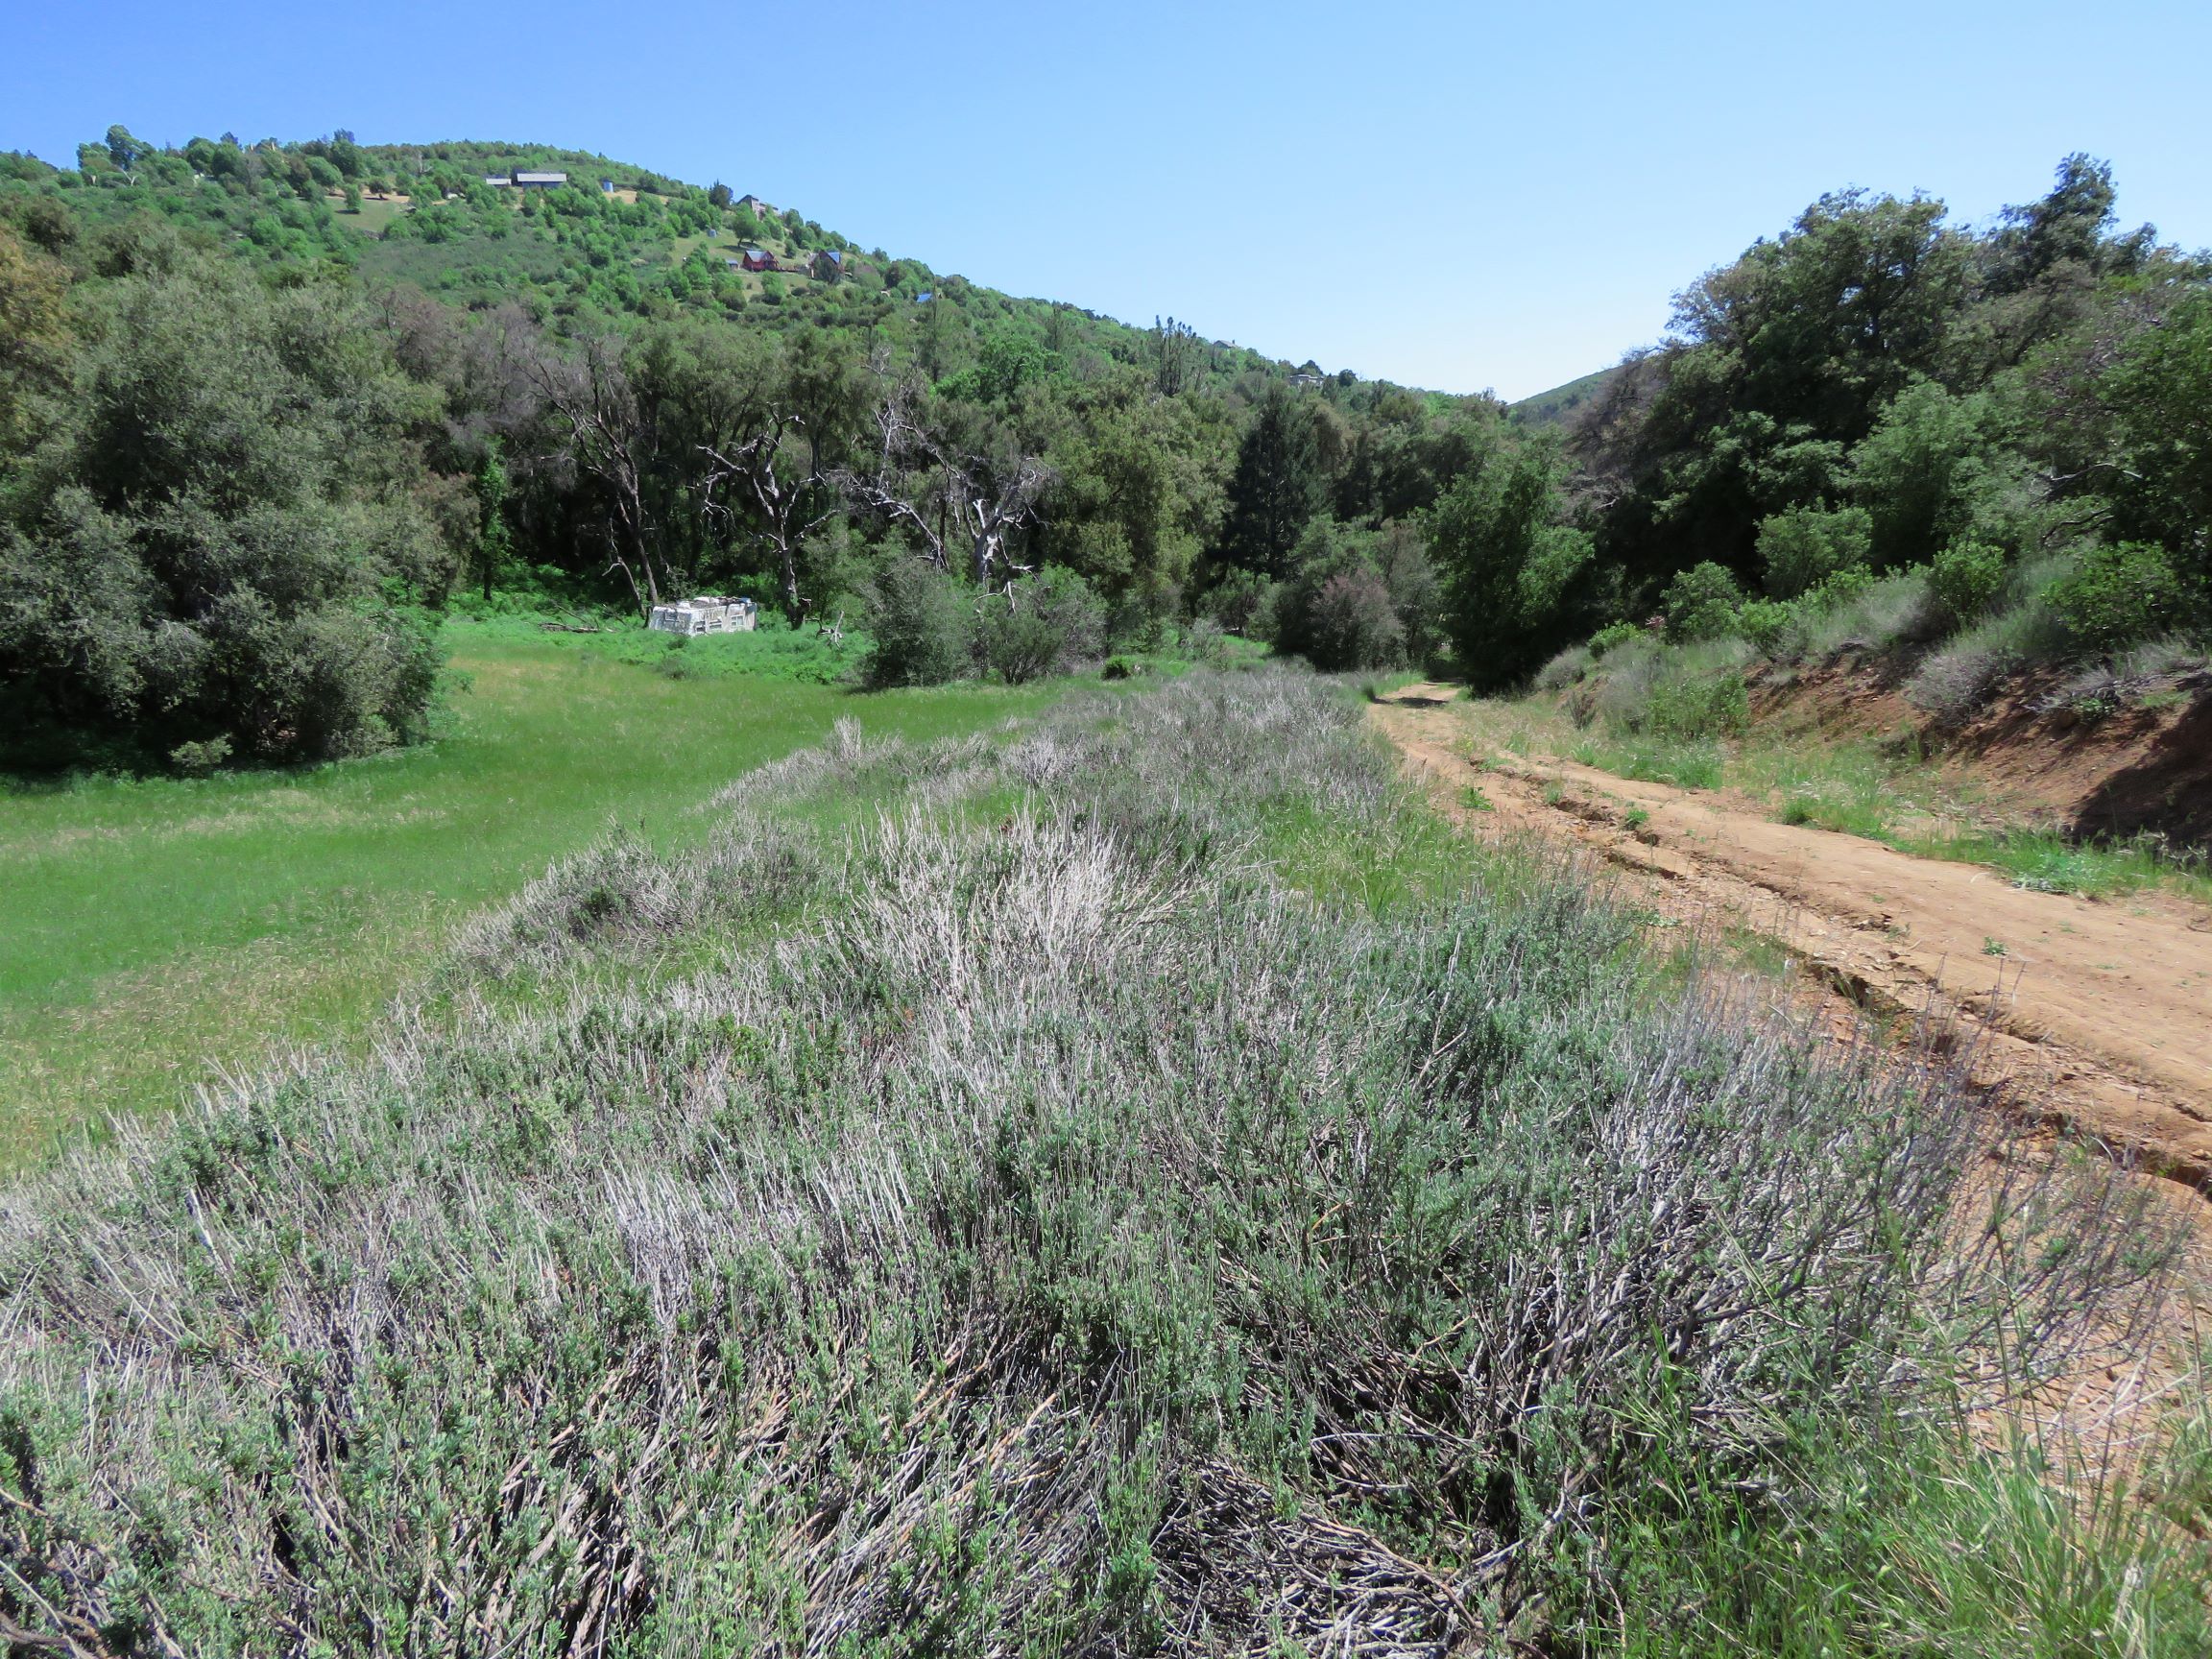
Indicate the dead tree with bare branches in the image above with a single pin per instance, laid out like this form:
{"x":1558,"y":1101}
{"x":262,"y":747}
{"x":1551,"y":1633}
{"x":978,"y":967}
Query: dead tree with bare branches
{"x":609,"y":436}
{"x":772,"y":472}
{"x":782,"y":422}
{"x":948,"y":493}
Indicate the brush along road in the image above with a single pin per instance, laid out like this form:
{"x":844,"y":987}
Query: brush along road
{"x":2097,"y":1015}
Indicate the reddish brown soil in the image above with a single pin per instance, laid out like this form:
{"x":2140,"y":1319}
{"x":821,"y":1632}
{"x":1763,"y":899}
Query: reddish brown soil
{"x":2096,"y":1016}
{"x":2143,"y":768}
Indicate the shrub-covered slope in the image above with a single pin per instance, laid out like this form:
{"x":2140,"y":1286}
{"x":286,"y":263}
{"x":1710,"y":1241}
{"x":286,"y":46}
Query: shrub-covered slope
{"x":575,"y":396}
{"x":1102,"y":1187}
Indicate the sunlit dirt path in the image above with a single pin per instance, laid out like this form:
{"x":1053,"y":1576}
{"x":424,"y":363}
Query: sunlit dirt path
{"x":2093,"y":1014}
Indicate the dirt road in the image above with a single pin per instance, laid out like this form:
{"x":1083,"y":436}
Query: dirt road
{"x":2089,"y":1013}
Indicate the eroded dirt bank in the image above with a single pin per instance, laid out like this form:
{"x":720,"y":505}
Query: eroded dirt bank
{"x":2093,"y":1014}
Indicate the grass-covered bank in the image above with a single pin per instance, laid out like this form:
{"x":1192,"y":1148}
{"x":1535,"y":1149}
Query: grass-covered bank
{"x":1691,"y":716}
{"x":1144,"y":1189}
{"x":149,"y":925}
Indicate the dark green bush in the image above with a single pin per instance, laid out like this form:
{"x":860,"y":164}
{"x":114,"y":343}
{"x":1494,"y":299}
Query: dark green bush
{"x":2119,"y":596}
{"x":227,"y":547}
{"x":1351,"y":624}
{"x":1924,"y":472}
{"x":1331,"y":608}
{"x":918,"y":627}
{"x":1855,"y":582}
{"x":1702,"y":603}
{"x":1684,"y":705}
{"x":1807,"y":545}
{"x":1965,"y":578}
{"x":1241,"y":602}
{"x":1138,"y":622}
{"x":1043,"y":624}
{"x":1767,"y":624}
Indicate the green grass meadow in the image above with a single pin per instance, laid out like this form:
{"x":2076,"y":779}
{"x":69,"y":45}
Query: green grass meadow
{"x":152,"y":928}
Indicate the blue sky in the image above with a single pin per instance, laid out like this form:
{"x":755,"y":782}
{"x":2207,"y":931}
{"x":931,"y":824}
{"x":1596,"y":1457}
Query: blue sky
{"x":1455,"y":196}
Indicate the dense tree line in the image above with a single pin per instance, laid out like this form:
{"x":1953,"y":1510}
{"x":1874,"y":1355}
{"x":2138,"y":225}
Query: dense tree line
{"x":1881,"y":388}
{"x":576,"y":403}
{"x":249,"y":448}
{"x":217,"y":531}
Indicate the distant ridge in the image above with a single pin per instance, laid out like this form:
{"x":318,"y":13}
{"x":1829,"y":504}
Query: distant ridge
{"x":1557,"y":406}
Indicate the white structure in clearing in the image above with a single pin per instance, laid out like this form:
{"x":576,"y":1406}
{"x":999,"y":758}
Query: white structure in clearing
{"x":708,"y":614}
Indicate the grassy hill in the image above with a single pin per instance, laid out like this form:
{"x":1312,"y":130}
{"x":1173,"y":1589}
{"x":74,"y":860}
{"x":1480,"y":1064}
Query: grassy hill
{"x":654,"y":247}
{"x":1558,"y":405}
{"x":273,"y":905}
{"x":855,"y":1173}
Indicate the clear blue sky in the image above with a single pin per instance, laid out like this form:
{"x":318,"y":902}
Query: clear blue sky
{"x":1452,"y":196}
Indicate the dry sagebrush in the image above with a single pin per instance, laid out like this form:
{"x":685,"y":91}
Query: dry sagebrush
{"x":1054,"y":1235}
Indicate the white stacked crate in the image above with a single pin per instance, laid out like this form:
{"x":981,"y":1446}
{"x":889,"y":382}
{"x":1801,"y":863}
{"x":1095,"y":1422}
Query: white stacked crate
{"x":708,"y":614}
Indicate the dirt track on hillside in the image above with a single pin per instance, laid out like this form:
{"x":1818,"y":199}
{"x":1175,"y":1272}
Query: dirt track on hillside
{"x":2076,"y":1011}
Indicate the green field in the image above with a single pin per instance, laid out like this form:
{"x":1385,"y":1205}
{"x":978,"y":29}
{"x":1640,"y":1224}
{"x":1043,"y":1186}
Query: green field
{"x":153,"y":928}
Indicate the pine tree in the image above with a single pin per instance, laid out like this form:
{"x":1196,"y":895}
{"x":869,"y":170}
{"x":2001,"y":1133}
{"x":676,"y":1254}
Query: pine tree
{"x":1275,"y":489}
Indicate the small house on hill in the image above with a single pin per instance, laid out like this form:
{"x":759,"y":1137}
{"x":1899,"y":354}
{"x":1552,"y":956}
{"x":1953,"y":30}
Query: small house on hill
{"x":537,"y":180}
{"x":758,"y":260}
{"x":828,"y":265}
{"x":754,"y":206}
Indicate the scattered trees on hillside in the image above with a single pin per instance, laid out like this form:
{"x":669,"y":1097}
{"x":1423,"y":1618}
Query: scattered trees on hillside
{"x":582,"y":412}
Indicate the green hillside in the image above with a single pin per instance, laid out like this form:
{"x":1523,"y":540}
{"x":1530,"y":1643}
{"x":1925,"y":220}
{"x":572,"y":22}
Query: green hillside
{"x":292,"y":436}
{"x":472,"y":389}
{"x":1014,"y":1126}
{"x":655,"y":246}
{"x":1562,"y":402}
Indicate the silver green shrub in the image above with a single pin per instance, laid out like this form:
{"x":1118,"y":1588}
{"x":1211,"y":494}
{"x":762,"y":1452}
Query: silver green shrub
{"x":1054,"y":1234}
